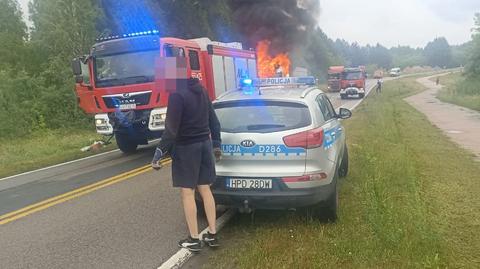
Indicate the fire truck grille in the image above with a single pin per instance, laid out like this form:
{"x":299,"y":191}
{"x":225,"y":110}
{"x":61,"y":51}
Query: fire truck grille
{"x":127,"y":99}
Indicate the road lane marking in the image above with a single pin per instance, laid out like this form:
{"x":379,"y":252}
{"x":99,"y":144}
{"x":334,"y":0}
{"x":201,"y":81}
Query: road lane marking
{"x":69,"y":162}
{"x":20,"y":213}
{"x":183,"y":255}
{"x":60,"y":164}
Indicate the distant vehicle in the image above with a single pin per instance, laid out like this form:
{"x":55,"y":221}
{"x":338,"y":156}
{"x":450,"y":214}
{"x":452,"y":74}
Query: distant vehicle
{"x":395,"y":72}
{"x":119,"y":81}
{"x":283,"y":147}
{"x":352,"y":82}
{"x":334,"y":76}
{"x":300,"y":72}
{"x":378,"y":74}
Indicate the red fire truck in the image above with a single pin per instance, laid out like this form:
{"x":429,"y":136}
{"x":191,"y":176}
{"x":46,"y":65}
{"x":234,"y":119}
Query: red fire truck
{"x":334,"y":77}
{"x":353,"y":82}
{"x":118,"y":81}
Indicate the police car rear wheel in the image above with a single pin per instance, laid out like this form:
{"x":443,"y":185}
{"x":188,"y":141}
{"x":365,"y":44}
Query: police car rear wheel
{"x":343,"y":96}
{"x":327,"y":210}
{"x":343,"y":169}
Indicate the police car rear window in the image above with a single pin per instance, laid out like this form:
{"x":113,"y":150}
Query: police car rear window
{"x":260,"y":116}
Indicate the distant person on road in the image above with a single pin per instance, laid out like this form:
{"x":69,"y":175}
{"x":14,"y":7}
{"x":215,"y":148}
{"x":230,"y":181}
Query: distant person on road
{"x":379,"y":86}
{"x":437,"y":81}
{"x":192,"y":139}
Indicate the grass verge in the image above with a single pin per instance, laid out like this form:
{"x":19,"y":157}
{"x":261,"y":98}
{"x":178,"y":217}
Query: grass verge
{"x":44,"y":148}
{"x":410,"y":201}
{"x":460,"y":90}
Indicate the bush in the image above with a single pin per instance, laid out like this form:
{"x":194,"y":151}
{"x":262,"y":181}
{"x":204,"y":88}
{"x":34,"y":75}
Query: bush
{"x":32,"y":103}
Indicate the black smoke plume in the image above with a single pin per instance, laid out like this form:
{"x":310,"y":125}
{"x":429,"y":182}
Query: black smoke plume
{"x":285,"y":23}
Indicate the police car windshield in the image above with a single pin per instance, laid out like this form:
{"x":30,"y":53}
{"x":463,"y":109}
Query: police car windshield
{"x":126,"y":68}
{"x":260,"y":116}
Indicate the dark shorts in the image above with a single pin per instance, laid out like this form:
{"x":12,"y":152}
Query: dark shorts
{"x":193,"y":165}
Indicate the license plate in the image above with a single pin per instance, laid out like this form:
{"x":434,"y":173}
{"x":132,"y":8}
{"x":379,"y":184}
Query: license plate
{"x":128,"y":106}
{"x":237,"y":183}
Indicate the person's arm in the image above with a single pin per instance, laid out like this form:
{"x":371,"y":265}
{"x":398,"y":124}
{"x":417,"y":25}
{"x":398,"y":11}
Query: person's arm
{"x":172,"y":123}
{"x":214,"y":125}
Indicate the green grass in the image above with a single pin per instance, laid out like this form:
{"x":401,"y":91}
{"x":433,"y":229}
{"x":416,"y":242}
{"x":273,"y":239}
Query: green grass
{"x":461,"y":91}
{"x":44,"y":148}
{"x":410,"y":201}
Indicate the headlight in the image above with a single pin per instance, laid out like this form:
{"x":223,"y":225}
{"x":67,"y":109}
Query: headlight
{"x":100,"y":122}
{"x":159,"y":117}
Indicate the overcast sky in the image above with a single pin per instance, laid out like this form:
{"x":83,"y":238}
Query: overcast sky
{"x":392,"y":23}
{"x":400,"y":22}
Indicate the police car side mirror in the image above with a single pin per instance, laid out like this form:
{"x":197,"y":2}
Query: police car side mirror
{"x":344,"y":113}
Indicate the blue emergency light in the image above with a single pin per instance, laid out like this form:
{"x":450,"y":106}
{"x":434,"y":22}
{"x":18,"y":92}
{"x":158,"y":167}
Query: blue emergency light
{"x":246,"y":85}
{"x":246,"y":82}
{"x":150,"y":32}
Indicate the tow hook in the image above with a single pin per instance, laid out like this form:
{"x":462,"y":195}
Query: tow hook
{"x":246,"y":209}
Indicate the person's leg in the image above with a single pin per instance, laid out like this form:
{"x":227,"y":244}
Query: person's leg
{"x":190,"y":209}
{"x":209,"y":205}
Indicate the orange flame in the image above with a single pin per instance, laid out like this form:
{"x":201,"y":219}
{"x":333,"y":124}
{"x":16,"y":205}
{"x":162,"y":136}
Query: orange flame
{"x":266,"y":65}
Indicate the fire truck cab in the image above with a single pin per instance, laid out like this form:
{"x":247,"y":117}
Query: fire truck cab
{"x":118,"y":81}
{"x":353,"y":82}
{"x":334,"y":78}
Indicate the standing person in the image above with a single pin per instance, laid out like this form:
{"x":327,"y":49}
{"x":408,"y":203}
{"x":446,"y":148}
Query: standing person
{"x":437,"y":81}
{"x":278,"y":70}
{"x":192,"y":138}
{"x":379,"y":85}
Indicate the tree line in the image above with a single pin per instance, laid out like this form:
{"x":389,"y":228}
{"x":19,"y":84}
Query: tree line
{"x":437,"y":53}
{"x":36,"y":89}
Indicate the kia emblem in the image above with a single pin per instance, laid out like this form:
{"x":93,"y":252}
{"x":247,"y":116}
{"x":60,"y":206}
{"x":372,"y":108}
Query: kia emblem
{"x":126,"y":95}
{"x":247,"y":143}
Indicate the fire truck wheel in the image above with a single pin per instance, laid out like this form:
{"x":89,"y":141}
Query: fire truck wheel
{"x":125,"y":144}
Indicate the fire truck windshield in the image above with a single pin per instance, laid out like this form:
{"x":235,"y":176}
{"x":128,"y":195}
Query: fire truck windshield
{"x":334,"y":76}
{"x":352,"y":75}
{"x":126,"y":68}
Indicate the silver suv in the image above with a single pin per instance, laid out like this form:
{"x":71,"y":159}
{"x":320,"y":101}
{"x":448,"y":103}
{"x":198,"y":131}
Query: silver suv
{"x":283,"y":147}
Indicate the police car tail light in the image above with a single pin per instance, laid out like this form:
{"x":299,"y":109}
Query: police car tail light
{"x":308,"y":139}
{"x":305,"y":178}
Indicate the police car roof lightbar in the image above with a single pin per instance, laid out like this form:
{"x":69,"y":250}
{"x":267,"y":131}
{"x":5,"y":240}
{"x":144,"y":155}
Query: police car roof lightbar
{"x":279,"y":81}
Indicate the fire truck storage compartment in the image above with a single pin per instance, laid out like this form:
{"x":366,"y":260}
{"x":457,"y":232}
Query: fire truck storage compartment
{"x":227,"y":72}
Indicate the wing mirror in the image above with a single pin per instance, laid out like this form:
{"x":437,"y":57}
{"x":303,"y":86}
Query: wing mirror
{"x":77,"y":70}
{"x":344,"y":113}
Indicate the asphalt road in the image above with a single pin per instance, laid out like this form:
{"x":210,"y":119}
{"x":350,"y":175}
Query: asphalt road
{"x":133,"y":223}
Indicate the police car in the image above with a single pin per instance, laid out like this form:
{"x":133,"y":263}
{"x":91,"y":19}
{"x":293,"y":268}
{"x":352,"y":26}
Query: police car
{"x":283,"y":147}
